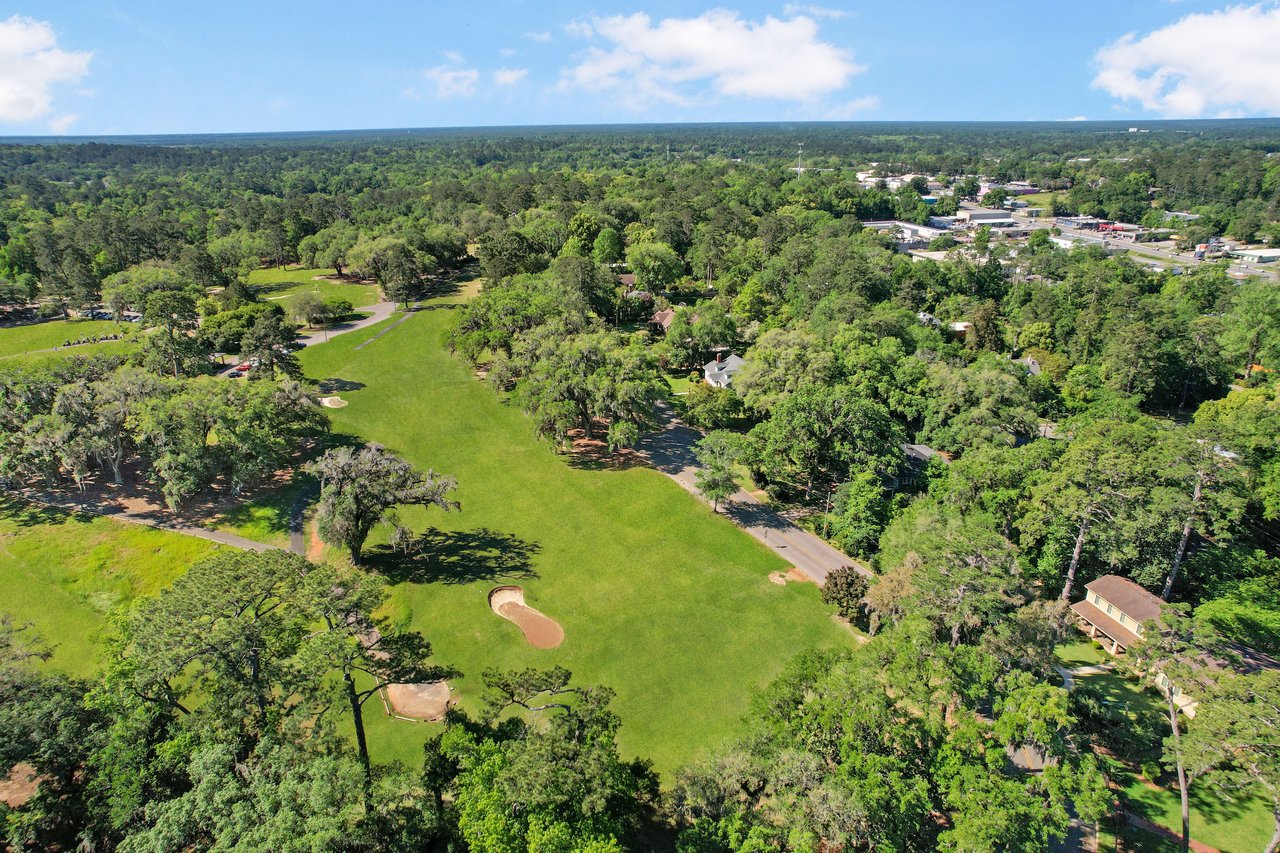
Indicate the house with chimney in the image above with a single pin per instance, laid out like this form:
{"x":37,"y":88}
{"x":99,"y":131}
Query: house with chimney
{"x":719,"y":373}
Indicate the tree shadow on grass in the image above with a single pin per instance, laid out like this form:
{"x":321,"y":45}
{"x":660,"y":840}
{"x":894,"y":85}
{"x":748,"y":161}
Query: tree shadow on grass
{"x":30,"y":514}
{"x":334,"y":385}
{"x":457,"y":557}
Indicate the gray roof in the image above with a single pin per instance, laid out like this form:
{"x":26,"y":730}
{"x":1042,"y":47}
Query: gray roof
{"x":729,"y":365}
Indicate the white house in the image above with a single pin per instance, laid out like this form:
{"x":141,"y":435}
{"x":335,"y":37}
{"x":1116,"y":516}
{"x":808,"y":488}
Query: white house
{"x":718,"y":373}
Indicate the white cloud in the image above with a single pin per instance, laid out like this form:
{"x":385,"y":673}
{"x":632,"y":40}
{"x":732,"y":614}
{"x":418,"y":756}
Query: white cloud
{"x":508,"y":51}
{"x":453,"y":56}
{"x":579,"y":29}
{"x":31,"y":63}
{"x":59,"y":125}
{"x":791,"y":10}
{"x":543,"y":36}
{"x":1223,"y":63}
{"x":509,"y":76}
{"x":669,"y":60}
{"x":853,"y":108}
{"x":1075,"y":118}
{"x":452,"y":82}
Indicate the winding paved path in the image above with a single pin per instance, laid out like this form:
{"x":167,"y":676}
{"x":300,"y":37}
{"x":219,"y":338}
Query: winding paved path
{"x":148,"y":518}
{"x":670,"y":450}
{"x":378,"y":312}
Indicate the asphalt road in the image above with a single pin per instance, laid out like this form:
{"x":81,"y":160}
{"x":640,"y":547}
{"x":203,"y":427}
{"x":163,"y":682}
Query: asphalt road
{"x":1186,"y":260}
{"x":670,"y":450}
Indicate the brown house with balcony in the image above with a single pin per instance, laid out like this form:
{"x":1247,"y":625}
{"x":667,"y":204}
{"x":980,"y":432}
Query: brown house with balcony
{"x":1113,"y":611}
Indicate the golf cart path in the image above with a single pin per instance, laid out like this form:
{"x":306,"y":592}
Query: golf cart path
{"x":378,"y":312}
{"x":671,"y":451}
{"x":148,"y":518}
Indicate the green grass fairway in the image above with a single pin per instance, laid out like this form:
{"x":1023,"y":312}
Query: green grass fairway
{"x":21,"y":340}
{"x":62,"y":572}
{"x":660,"y":600}
{"x":281,"y":285}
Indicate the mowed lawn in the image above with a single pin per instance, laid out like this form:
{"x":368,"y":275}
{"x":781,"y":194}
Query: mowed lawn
{"x":62,"y":572}
{"x":664,"y":602}
{"x":281,"y":285}
{"x":21,"y":340}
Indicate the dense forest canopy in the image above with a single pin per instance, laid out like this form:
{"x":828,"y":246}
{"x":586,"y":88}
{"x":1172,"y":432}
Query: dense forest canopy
{"x":982,"y":430}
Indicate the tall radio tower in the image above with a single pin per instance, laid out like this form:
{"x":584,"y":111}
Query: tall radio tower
{"x":800,"y":159}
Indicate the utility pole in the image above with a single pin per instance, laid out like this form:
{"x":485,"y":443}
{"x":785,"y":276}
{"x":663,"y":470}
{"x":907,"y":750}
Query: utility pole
{"x":800,"y":160}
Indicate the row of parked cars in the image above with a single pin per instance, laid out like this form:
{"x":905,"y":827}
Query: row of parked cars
{"x":99,"y":314}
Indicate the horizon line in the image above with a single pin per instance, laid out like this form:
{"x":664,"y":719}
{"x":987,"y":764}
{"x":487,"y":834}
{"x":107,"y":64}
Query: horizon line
{"x":569,"y":126}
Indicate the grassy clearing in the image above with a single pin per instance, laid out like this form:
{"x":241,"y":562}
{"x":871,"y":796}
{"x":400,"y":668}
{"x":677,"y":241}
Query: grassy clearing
{"x":265,"y":517}
{"x":23,"y":340}
{"x":1044,"y":200}
{"x":1080,"y":653}
{"x":661,"y":600}
{"x":281,"y":285}
{"x":63,"y":571}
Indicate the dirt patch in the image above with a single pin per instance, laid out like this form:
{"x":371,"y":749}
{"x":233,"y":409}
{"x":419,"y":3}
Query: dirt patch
{"x":333,"y":402}
{"x":595,"y":452}
{"x":541,"y":631}
{"x":19,"y":787}
{"x":790,"y":576}
{"x":137,"y":495}
{"x":429,"y":701}
{"x":315,"y":546}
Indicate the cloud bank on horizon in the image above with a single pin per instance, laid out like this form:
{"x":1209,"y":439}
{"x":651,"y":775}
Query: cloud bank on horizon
{"x":1222,"y":64}
{"x":790,"y":61}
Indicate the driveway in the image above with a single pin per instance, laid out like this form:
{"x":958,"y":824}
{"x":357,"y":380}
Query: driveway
{"x":670,"y":450}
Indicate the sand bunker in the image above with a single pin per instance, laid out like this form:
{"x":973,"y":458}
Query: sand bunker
{"x":540,"y":630}
{"x":332,"y":402}
{"x":427,"y":701}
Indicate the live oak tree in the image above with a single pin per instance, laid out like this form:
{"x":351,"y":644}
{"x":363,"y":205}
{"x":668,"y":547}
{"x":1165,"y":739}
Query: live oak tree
{"x":359,"y":489}
{"x":173,"y":347}
{"x":816,"y":436}
{"x":569,"y":382}
{"x":716,"y":478}
{"x":270,"y":341}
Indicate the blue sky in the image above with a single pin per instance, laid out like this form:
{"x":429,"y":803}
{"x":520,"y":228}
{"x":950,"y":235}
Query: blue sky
{"x":170,"y":66}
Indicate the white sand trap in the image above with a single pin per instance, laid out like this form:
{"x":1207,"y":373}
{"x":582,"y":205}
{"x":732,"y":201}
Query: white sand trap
{"x":333,"y":402}
{"x":540,"y":630}
{"x":427,"y":701}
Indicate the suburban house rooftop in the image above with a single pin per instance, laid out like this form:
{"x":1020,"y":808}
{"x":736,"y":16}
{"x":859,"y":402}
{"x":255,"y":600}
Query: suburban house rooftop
{"x":1116,"y":607}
